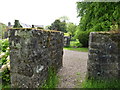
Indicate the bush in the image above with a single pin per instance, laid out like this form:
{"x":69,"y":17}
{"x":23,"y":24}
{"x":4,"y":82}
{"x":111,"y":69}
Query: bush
{"x":3,"y":30}
{"x":4,"y":61}
{"x":84,"y":38}
{"x":4,"y":44}
{"x":75,"y":43}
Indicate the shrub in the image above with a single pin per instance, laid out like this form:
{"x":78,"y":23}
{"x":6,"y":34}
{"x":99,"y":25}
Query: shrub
{"x":4,"y":61}
{"x":3,"y":30}
{"x":83,"y":38}
{"x":75,"y":43}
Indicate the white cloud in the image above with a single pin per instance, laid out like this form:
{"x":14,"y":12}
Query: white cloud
{"x":42,"y":12}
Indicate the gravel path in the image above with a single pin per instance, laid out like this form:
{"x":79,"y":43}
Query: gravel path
{"x":74,"y":69}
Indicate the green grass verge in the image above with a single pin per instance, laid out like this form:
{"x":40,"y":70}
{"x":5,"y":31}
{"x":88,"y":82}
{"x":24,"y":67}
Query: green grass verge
{"x":77,"y":49}
{"x":101,"y":84}
{"x":53,"y":79}
{"x":4,"y":86}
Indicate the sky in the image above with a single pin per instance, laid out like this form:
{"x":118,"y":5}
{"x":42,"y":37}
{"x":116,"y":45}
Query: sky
{"x":38,"y":12}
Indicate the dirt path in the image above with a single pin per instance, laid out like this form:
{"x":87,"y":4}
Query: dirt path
{"x":74,"y":69}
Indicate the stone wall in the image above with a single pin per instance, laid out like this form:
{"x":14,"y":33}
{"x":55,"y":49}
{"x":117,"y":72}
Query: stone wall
{"x":32,"y":52}
{"x":104,"y":56}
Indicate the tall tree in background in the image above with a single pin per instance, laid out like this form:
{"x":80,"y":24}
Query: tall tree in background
{"x":58,"y":25}
{"x":97,"y":16}
{"x":55,"y":25}
{"x":71,"y":28}
{"x":64,"y":19}
{"x":3,"y":30}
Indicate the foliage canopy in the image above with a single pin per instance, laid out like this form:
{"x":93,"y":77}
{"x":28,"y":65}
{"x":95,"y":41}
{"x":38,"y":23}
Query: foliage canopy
{"x":3,"y":29}
{"x":71,"y":28}
{"x":97,"y":16}
{"x":58,"y":25}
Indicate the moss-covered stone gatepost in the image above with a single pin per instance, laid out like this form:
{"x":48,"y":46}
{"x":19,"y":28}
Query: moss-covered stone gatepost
{"x":32,"y":52}
{"x":104,"y":55}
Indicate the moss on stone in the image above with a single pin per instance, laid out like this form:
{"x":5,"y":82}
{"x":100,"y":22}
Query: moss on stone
{"x":33,"y":29}
{"x":18,"y":45}
{"x":116,"y":38}
{"x":106,"y":66}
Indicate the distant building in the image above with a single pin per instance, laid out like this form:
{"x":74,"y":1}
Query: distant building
{"x":19,"y":24}
{"x":38,"y":26}
{"x":25,"y":25}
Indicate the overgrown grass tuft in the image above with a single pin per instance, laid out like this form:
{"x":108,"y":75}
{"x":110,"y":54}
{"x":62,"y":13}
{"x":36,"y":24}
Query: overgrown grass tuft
{"x":101,"y":84}
{"x":53,"y":80}
{"x":4,"y":86}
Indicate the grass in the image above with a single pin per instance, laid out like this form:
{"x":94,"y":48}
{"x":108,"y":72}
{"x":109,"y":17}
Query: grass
{"x":101,"y":84}
{"x":4,"y":86}
{"x":52,"y":81}
{"x":77,"y":49}
{"x":74,"y":46}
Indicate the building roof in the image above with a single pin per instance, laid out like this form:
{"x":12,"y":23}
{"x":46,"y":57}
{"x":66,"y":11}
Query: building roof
{"x":38,"y":26}
{"x":25,"y":25}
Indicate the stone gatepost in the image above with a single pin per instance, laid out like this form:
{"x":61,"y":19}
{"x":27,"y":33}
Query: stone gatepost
{"x":32,"y":52}
{"x":104,"y":55}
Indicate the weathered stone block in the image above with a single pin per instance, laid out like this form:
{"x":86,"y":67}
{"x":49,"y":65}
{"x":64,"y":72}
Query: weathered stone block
{"x":32,"y":52}
{"x":104,"y":55}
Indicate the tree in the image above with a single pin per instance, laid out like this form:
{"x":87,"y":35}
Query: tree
{"x":64,"y":18}
{"x":71,"y":28}
{"x":97,"y":16}
{"x":47,"y":27}
{"x":58,"y":25}
{"x":3,"y":30}
{"x":63,"y":26}
{"x":55,"y":25}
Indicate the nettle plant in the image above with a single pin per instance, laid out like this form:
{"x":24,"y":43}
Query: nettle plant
{"x":4,"y":61}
